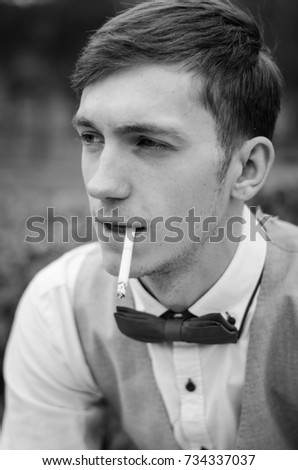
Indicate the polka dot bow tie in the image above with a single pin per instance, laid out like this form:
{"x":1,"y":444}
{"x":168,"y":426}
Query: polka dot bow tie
{"x":212,"y":328}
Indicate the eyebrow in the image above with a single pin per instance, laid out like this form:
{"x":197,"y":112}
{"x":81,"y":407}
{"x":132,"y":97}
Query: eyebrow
{"x":134,"y":128}
{"x":80,"y":121}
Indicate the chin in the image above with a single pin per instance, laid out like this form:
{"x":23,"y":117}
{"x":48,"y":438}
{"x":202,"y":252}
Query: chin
{"x":111,"y":270}
{"x":143,"y":264}
{"x":111,"y":262}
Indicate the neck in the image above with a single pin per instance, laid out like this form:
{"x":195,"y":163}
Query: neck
{"x":182,"y":287}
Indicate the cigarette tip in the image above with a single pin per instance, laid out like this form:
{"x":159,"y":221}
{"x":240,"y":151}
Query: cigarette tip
{"x":121,"y":290}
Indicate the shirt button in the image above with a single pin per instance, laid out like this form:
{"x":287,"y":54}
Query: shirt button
{"x":190,"y":386}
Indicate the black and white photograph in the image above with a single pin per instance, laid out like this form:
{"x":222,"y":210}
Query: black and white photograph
{"x":149,"y":228}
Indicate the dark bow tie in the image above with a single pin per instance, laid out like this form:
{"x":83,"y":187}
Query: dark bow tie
{"x":212,"y":328}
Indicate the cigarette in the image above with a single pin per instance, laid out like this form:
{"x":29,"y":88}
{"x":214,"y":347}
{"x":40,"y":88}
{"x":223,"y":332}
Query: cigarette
{"x":125,"y":262}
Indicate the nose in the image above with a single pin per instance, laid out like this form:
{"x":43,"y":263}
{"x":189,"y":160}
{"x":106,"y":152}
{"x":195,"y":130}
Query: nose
{"x":107,"y":176}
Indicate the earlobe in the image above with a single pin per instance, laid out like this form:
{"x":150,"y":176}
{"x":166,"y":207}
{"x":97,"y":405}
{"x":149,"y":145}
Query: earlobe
{"x":255,"y":159}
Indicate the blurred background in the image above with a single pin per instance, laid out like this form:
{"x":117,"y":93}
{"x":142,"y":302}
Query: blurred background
{"x":39,"y":152}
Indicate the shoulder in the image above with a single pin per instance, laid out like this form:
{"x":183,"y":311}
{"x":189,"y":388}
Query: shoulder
{"x":73,"y":286}
{"x":49,"y":299}
{"x":62,"y":273}
{"x":282,"y":234}
{"x":69,"y":291}
{"x":281,"y":265}
{"x":44,"y":335}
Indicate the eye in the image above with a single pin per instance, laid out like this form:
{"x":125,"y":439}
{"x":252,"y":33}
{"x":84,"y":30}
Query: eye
{"x":151,"y":144}
{"x":88,"y":138}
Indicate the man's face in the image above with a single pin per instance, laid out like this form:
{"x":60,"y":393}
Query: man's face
{"x":150,"y":151}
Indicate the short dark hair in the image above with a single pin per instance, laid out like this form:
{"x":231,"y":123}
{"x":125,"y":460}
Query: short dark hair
{"x":213,"y":39}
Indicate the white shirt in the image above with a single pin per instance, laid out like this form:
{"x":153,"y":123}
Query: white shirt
{"x":56,"y":382}
{"x":209,"y":416}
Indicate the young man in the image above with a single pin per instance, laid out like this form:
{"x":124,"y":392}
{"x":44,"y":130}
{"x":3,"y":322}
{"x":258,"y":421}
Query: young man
{"x":178,"y":105}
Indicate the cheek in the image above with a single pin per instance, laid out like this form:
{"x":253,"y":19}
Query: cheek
{"x":84,"y":167}
{"x":88,"y":167}
{"x":189,"y":189}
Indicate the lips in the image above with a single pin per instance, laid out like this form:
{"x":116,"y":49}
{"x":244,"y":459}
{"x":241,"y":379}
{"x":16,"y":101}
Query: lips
{"x":116,"y":227}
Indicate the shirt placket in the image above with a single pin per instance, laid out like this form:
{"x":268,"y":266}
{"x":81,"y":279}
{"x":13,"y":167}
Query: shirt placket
{"x":191,"y":393}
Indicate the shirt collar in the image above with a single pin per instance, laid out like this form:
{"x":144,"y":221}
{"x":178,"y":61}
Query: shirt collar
{"x":232,"y":291}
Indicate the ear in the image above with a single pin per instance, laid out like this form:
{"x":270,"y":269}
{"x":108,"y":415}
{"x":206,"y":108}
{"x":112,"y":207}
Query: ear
{"x":254,"y":161}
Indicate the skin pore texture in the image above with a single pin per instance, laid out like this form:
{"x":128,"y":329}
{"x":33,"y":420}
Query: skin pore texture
{"x":150,"y":149}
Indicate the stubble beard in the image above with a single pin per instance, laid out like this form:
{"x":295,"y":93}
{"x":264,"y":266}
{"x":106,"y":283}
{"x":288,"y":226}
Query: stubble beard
{"x":179,"y":261}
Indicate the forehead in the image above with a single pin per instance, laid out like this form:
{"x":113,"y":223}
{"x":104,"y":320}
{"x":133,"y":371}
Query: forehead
{"x":155,"y":93}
